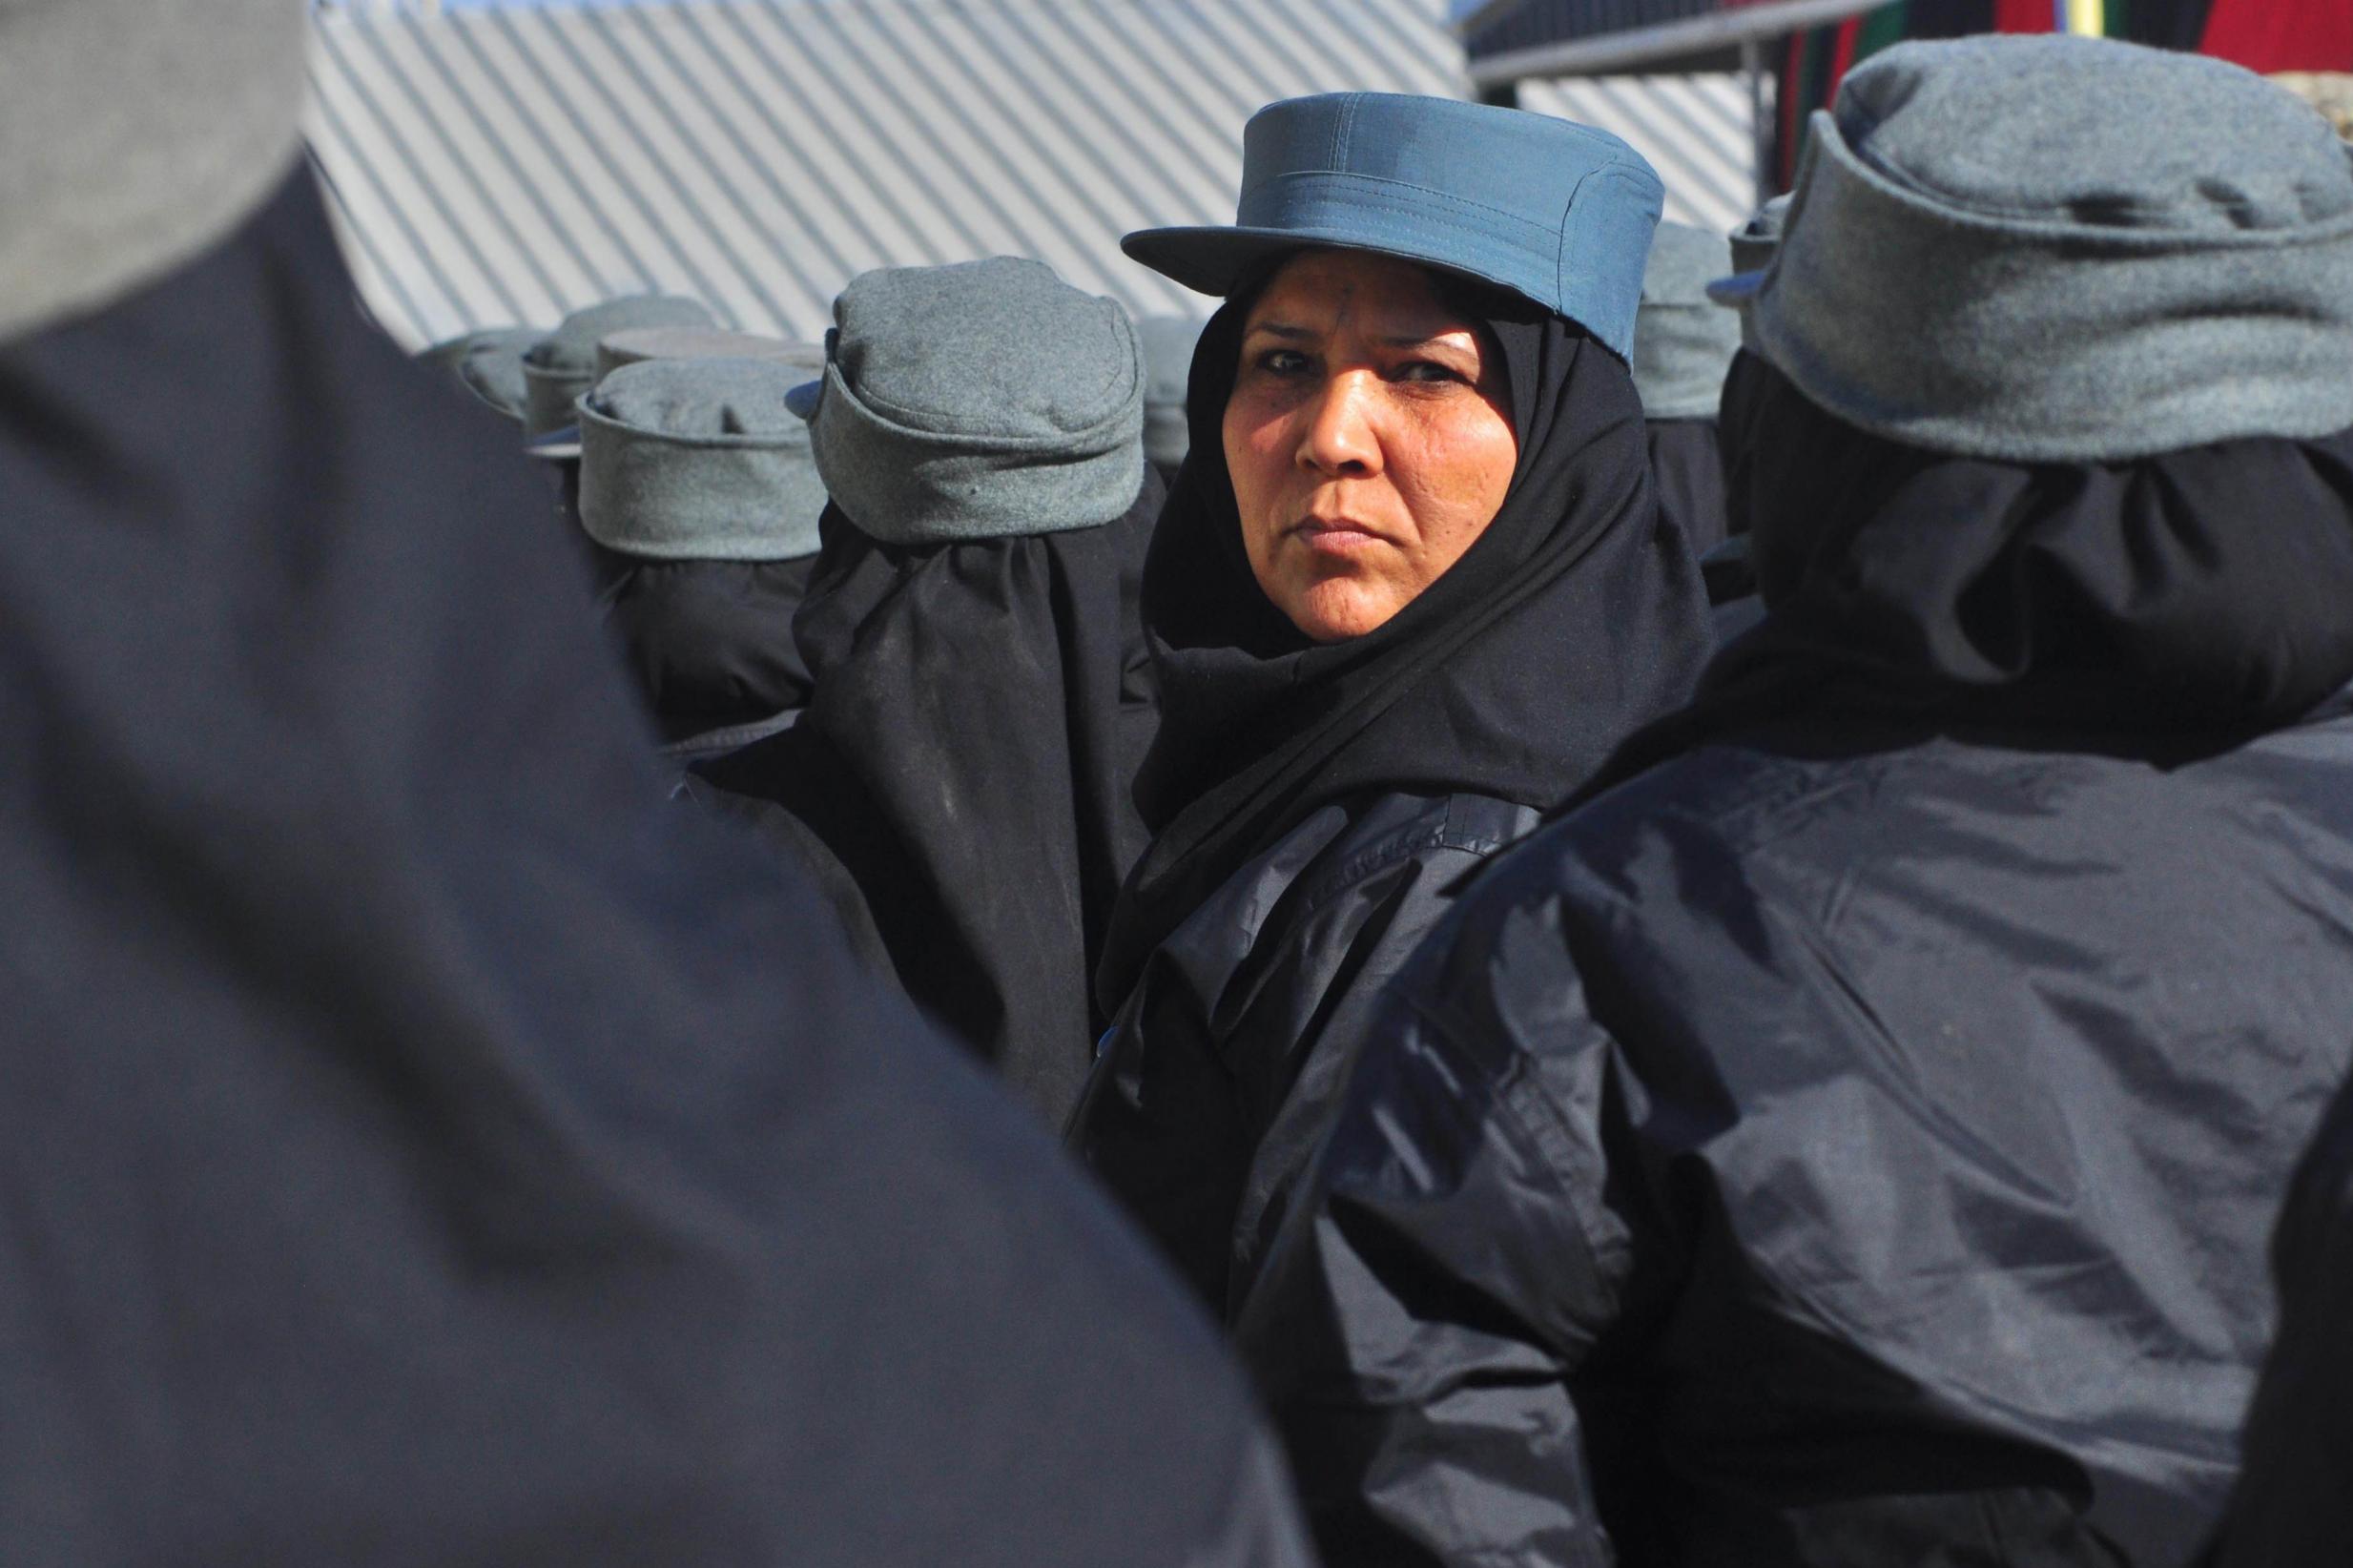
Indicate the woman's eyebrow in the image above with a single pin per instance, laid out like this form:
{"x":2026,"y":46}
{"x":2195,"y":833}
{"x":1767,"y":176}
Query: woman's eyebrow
{"x":1443,"y":338}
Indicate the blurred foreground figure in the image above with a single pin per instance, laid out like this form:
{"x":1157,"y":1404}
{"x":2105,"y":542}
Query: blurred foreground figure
{"x":2293,"y":1507}
{"x":1853,"y":1138}
{"x":420,"y":1146}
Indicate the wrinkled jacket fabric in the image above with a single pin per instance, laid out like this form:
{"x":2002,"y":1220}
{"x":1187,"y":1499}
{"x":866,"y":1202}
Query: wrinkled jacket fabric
{"x":1198,"y":1114}
{"x":2293,"y":1507}
{"x":1835,"y":1146}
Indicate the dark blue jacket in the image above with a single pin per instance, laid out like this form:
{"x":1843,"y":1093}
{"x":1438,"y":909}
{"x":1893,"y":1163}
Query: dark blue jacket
{"x":1854,"y":1148}
{"x":1217,"y":1074}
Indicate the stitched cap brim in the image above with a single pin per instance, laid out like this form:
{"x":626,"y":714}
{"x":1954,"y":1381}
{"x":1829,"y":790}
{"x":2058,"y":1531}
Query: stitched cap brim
{"x":1737,"y":290}
{"x":801,"y":402}
{"x":1214,"y":259}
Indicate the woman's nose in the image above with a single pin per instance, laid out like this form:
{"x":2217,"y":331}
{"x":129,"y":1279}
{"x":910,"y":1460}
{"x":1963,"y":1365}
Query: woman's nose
{"x":1341,"y":439}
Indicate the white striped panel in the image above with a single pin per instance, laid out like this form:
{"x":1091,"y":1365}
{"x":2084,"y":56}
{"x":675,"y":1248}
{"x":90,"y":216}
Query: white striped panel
{"x":489,"y":165}
{"x":1695,"y":131}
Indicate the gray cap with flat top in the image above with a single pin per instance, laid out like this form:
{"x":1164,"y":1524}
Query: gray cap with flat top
{"x":562,"y":365}
{"x":698,"y":460}
{"x":2059,"y":249}
{"x":978,"y":401}
{"x":1682,"y":342}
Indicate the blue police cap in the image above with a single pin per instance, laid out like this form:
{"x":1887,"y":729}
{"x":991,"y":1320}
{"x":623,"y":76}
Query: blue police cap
{"x":1558,"y":213}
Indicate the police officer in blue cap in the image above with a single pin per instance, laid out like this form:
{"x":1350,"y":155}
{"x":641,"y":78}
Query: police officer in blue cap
{"x":1409,"y":588}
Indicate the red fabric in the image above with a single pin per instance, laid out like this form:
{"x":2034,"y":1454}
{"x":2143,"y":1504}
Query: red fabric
{"x":2282,"y":34}
{"x":1792,"y":111}
{"x":2025,"y":16}
{"x":1842,"y":57}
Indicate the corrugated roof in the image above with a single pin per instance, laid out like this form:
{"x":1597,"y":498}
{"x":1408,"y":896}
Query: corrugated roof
{"x":511,"y":164}
{"x":508,"y":165}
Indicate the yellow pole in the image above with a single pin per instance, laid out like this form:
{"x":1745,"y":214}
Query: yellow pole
{"x":2087,"y":16}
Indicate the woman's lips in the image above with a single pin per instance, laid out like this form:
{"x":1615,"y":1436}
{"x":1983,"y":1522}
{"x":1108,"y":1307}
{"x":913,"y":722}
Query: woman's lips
{"x":1336,"y":536}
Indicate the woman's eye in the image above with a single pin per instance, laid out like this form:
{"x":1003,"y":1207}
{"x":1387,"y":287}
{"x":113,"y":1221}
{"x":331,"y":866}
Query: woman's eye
{"x":1283,"y":361}
{"x":1427,"y":370}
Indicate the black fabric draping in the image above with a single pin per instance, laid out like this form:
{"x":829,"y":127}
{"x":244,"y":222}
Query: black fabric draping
{"x":710,"y":642}
{"x":421,"y":1143}
{"x":2172,"y":606}
{"x":1745,"y":387}
{"x":1574,"y":618}
{"x":967,"y":758}
{"x":1686,"y":467}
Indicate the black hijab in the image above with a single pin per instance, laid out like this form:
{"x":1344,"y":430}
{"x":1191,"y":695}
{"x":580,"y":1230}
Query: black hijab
{"x":1574,"y":618}
{"x":421,"y":1142}
{"x":2169,"y":605}
{"x":1686,"y":464}
{"x":967,"y":758}
{"x":710,"y":642}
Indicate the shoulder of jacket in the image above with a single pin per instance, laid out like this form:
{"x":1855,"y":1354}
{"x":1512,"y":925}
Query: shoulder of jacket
{"x":1391,"y":830}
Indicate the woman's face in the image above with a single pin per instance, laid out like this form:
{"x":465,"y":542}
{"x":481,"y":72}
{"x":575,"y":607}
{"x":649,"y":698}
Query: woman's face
{"x":1369,"y":438}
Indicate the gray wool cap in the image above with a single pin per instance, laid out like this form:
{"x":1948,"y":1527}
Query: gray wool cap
{"x":490,"y":364}
{"x":1682,"y":343}
{"x":139,"y":132}
{"x":1754,"y":243}
{"x":562,"y":365}
{"x":2066,"y":249}
{"x":978,"y":400}
{"x":634,"y":345}
{"x":698,"y":460}
{"x":1169,"y":342}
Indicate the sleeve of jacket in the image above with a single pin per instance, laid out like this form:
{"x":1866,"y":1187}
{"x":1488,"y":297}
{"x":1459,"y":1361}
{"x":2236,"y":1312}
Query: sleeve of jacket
{"x":1450,"y":1265}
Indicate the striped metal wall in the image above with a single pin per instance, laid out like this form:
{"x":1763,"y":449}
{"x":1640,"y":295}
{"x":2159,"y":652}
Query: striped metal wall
{"x":1696,"y":131}
{"x":505,"y":165}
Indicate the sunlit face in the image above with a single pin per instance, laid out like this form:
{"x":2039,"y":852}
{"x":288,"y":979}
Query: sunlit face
{"x":1369,"y":438}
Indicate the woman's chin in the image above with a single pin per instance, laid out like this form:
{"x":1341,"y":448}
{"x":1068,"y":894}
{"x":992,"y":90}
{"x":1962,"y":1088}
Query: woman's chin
{"x":1338,"y":608}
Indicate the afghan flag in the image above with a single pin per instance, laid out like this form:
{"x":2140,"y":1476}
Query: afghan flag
{"x":2264,"y":35}
{"x":2270,"y":35}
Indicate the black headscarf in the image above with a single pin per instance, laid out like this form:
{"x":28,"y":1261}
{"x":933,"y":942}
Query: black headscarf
{"x":2168,"y":605}
{"x":1686,"y":464}
{"x":711,"y":641}
{"x":421,"y":1142}
{"x":967,"y":758}
{"x":1574,"y":618}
